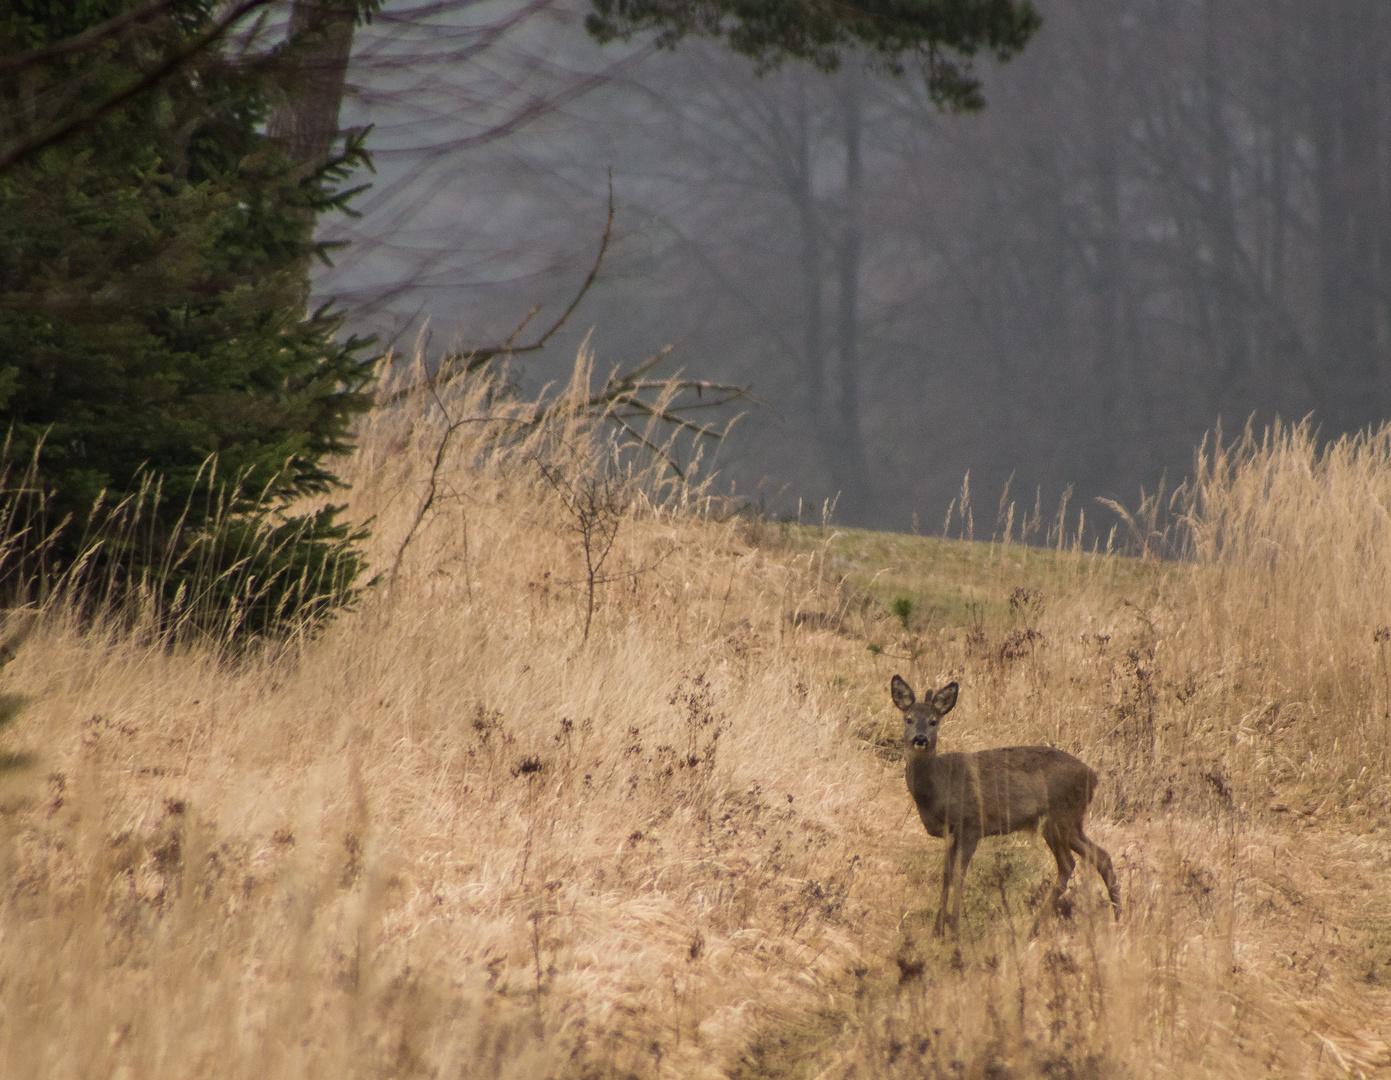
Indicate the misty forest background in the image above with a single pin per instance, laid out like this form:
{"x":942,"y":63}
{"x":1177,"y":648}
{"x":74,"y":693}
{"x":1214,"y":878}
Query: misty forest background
{"x":1169,"y":212}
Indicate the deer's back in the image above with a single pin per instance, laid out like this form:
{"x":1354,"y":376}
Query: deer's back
{"x":1000,"y":791}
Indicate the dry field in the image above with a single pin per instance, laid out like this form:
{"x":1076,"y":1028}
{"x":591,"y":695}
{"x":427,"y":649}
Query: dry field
{"x":450,"y":837}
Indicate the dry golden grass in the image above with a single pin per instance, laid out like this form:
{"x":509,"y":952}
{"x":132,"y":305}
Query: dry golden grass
{"x":447,"y":838}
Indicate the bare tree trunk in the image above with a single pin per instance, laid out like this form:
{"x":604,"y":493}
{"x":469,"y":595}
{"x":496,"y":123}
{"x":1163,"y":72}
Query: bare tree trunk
{"x":1227,"y":320}
{"x":851,"y":475}
{"x":813,"y":347}
{"x":1279,"y":121}
{"x":1344,"y":117}
{"x":1112,"y":362}
{"x":320,"y":39}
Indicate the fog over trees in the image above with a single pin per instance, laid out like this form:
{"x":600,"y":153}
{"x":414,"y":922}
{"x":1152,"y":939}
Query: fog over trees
{"x":1170,"y":211}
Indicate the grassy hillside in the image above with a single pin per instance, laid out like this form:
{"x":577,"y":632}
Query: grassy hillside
{"x":450,"y":837}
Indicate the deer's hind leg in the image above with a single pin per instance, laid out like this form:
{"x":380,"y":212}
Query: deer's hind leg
{"x":1058,"y":841}
{"x":1097,"y":856}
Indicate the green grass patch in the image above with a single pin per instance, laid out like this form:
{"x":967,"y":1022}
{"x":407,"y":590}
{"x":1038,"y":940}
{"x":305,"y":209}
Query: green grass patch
{"x":926,"y":581}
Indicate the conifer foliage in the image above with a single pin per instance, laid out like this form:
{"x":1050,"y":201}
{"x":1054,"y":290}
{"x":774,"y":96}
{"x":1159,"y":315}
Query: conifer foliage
{"x":940,"y":37}
{"x":155,"y":351}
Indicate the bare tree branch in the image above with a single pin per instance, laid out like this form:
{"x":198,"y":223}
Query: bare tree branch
{"x":25,"y":147}
{"x":456,"y":364}
{"x":87,"y":38}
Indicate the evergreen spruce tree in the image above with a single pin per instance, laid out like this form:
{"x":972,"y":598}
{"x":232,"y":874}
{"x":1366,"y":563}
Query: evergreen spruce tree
{"x":153,"y":335}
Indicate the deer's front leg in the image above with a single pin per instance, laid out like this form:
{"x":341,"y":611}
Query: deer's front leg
{"x":948,"y":865}
{"x":965,"y":848}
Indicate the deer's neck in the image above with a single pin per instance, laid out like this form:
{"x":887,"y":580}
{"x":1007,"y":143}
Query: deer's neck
{"x":922,"y":771}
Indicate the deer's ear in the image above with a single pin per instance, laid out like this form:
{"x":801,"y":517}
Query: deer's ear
{"x":902,"y":693}
{"x":945,"y":699}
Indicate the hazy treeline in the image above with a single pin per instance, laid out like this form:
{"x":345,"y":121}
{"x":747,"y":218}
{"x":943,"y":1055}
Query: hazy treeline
{"x":1170,"y":211}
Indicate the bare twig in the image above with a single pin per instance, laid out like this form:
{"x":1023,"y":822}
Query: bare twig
{"x":432,"y":491}
{"x":456,"y":364}
{"x":634,"y":573}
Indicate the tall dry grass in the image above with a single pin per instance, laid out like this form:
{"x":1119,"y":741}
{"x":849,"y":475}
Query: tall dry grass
{"x":1297,"y":539}
{"x":449,"y":837}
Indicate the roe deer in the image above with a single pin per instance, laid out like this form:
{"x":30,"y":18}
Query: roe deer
{"x":994,"y":792}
